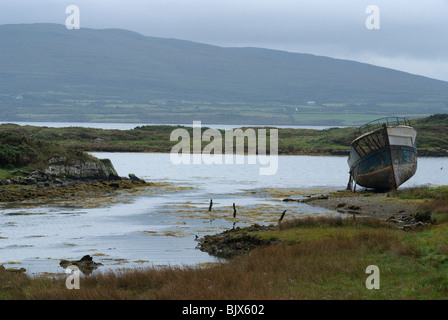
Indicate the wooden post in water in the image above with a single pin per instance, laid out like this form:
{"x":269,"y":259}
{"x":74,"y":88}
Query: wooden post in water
{"x":234,"y":210}
{"x":210,"y":206}
{"x":283,"y":214}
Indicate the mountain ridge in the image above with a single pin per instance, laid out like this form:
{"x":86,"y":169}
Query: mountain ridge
{"x":97,"y":66}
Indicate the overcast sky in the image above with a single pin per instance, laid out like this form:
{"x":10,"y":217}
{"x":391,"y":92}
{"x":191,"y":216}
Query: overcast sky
{"x":413,"y":35}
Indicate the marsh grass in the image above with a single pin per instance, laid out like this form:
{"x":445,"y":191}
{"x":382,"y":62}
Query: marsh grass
{"x":424,"y":192}
{"x":434,"y":210}
{"x":412,"y":264}
{"x":432,"y":202}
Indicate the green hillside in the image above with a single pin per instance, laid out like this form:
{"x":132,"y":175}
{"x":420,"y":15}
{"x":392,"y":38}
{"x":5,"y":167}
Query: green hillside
{"x":49,"y":73}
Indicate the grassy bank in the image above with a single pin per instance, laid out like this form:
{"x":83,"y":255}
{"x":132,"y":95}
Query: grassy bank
{"x":317,"y":258}
{"x":22,"y":152}
{"x":326,"y":262}
{"x":432,"y":136}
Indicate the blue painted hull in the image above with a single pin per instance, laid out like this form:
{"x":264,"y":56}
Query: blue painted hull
{"x":382,"y":165}
{"x":385,"y":169}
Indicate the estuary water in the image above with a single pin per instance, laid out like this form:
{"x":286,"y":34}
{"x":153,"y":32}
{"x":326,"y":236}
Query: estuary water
{"x":159,"y":226}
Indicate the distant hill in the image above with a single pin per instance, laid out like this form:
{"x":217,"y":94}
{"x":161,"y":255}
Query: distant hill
{"x":49,"y":73}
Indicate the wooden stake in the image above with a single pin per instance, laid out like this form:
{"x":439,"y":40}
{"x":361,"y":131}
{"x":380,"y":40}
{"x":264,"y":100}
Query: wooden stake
{"x":283,"y":214}
{"x":210,"y":206}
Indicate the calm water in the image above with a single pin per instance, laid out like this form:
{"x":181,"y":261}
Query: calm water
{"x":159,"y":227}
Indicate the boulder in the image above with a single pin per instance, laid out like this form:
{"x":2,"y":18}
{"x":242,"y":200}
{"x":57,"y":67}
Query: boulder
{"x":3,"y":269}
{"x":133,"y":177}
{"x":85,"y":264}
{"x":233,"y":242}
{"x":84,"y":170}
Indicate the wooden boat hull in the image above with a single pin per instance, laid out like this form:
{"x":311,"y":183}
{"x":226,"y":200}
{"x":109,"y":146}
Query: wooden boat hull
{"x":385,"y":158}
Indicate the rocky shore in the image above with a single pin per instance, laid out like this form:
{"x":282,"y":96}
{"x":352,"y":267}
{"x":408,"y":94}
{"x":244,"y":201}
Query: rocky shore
{"x":376,"y":205}
{"x":75,"y":182}
{"x":234,"y":241}
{"x":371,"y":204}
{"x":64,"y":179}
{"x":85,"y":264}
{"x":66,"y":190}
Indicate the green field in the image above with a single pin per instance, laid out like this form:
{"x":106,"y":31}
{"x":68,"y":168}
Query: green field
{"x":185,"y":112}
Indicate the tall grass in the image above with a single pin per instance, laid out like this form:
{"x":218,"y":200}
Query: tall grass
{"x":424,"y":193}
{"x":324,"y":221}
{"x":318,"y":268}
{"x":432,"y":202}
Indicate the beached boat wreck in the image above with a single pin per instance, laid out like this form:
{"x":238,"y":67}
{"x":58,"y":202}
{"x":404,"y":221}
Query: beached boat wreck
{"x":384,"y":154}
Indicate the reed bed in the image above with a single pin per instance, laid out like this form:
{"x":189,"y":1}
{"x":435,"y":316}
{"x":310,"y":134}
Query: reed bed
{"x":330,"y":267}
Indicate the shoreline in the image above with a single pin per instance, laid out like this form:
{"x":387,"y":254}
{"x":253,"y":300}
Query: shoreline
{"x":362,"y":203}
{"x":326,"y":153}
{"x":269,"y":256}
{"x":67,"y":190}
{"x":362,"y":206}
{"x":38,"y":187}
